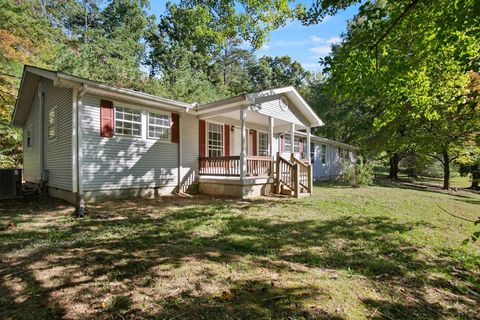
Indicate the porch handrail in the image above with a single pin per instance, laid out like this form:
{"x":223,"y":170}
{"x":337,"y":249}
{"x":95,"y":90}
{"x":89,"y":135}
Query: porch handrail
{"x":219,"y":166}
{"x":305,"y":177}
{"x":285,"y":173}
{"x":230,"y":166}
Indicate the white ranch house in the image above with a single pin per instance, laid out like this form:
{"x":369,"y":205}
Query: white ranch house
{"x":87,"y":140}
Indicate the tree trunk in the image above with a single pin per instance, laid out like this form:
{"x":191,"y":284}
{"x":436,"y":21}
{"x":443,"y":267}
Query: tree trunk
{"x":394,"y":160}
{"x":475,"y":179}
{"x":446,"y":170}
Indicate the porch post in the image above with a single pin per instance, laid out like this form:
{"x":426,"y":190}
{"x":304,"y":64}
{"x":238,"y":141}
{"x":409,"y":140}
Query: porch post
{"x":243,"y":152}
{"x":309,"y":130}
{"x":270,"y":136}
{"x":292,"y":138}
{"x":270,"y":144}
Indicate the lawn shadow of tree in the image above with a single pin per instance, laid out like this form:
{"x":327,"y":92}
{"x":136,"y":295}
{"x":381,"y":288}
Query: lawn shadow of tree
{"x":140,"y":243}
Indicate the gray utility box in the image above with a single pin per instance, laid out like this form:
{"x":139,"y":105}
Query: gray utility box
{"x":10,"y":183}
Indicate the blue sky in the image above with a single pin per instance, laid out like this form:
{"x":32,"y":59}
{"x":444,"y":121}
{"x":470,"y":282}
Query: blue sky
{"x":304,"y":44}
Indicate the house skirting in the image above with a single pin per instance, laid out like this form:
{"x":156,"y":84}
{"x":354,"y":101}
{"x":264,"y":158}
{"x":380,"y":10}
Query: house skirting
{"x":234,"y":187}
{"x":101,"y":195}
{"x":147,"y":193}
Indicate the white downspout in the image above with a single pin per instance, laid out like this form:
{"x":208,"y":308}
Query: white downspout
{"x":41,"y":107}
{"x":81,"y":200}
{"x":180,"y":153}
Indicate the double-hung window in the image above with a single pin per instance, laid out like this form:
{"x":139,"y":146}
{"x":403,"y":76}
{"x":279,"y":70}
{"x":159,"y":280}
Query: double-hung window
{"x":52,"y":123}
{"x":159,"y":126}
{"x":344,"y":154}
{"x":215,"y":140}
{"x":29,"y":141}
{"x":287,"y":143}
{"x":313,"y":155}
{"x":263,"y":144}
{"x":128,"y":122}
{"x":296,"y":145}
{"x":324,"y":154}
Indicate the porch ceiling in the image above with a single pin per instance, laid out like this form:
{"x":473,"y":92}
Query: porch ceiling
{"x":255,"y":118}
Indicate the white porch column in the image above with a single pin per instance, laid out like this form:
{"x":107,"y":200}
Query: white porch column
{"x":292,"y":137}
{"x":243,"y":152}
{"x":270,"y":136}
{"x":309,"y":130}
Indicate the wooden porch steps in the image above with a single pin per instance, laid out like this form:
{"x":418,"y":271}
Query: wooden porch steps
{"x":293,"y":177}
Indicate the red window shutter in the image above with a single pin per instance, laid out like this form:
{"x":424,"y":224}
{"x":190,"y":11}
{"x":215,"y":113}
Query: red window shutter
{"x":175,"y":128}
{"x":106,"y":118}
{"x":226,"y":137}
{"x":201,"y":138}
{"x":254,"y":143}
{"x":282,"y":143}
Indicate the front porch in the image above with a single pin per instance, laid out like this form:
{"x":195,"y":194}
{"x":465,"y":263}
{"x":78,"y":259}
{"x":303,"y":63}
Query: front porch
{"x":256,"y":144}
{"x":263,"y":176}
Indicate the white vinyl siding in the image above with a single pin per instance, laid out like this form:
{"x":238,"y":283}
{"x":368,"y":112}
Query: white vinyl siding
{"x":272,"y":108}
{"x":189,"y":150}
{"x":215,"y":140}
{"x":58,"y":150}
{"x":128,"y":122}
{"x":31,"y":156}
{"x":122,"y":162}
{"x":159,"y":126}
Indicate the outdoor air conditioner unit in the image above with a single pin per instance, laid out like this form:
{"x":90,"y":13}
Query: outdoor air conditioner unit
{"x":10,"y":183}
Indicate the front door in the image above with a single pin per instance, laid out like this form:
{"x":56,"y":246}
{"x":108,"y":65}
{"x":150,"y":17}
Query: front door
{"x":237,"y":142}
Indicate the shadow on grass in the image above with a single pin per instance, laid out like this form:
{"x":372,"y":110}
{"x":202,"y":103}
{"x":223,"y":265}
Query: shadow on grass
{"x":128,"y":241}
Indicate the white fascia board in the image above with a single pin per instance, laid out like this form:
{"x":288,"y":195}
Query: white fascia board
{"x":102,"y":89}
{"x":227,"y":104}
{"x":304,"y":107}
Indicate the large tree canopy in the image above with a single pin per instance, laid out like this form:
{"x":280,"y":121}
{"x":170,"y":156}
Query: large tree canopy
{"x":186,"y":54}
{"x":414,"y":89}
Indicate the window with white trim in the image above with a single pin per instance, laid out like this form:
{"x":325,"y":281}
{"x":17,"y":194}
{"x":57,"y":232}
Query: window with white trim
{"x":313,"y":155}
{"x":263,"y":144}
{"x":344,"y":154}
{"x":52,"y":123}
{"x":215,"y":140}
{"x":324,"y":153}
{"x":28,"y":136}
{"x":128,"y":122}
{"x":287,"y":143}
{"x":159,"y":126}
{"x":296,"y":145}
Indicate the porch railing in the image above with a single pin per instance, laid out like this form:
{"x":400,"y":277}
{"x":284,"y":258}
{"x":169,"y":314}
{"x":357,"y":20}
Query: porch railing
{"x":295,"y":174}
{"x":304,"y":175}
{"x":230,"y":166}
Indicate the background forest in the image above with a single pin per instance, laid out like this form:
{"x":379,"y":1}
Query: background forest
{"x":403,"y":83}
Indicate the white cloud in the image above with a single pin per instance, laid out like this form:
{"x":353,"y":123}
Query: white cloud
{"x":264,"y":48}
{"x":326,"y":19}
{"x":321,"y":50}
{"x":244,"y":45}
{"x":317,"y":39}
{"x":312,"y":66}
{"x":334,"y":40}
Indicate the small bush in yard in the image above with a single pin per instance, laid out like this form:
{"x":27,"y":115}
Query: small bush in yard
{"x":357,"y":174}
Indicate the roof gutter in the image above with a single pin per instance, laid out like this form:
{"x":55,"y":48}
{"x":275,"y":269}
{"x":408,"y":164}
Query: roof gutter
{"x":127,"y":94}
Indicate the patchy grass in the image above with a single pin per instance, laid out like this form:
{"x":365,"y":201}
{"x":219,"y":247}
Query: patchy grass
{"x":375,"y":252}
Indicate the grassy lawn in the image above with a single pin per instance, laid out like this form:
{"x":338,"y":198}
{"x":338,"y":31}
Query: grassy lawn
{"x":381,"y":252}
